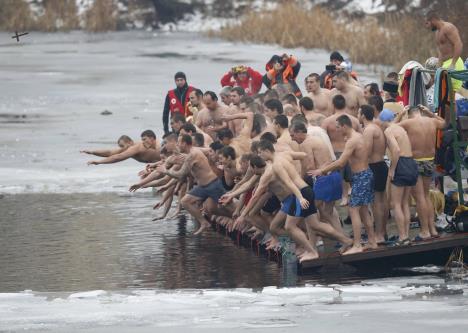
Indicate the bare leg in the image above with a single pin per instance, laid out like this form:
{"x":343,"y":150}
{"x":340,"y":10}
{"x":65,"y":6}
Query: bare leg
{"x":421,"y":208}
{"x":398,"y":199}
{"x":406,"y":209}
{"x":326,"y":229}
{"x":328,"y":214}
{"x":369,"y":226}
{"x":298,"y":236}
{"x":346,"y":187}
{"x":380,"y":210}
{"x":276,"y":229}
{"x":191,"y":204}
{"x":430,"y":207}
{"x":357,"y":224}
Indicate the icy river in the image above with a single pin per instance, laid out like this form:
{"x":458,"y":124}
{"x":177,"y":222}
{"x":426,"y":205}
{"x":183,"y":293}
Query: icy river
{"x":79,"y":253}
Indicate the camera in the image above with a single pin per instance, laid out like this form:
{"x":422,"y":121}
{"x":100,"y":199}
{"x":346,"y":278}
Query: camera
{"x":330,"y":68}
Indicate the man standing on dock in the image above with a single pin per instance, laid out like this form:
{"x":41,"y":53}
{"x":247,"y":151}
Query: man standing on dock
{"x":449,"y":44}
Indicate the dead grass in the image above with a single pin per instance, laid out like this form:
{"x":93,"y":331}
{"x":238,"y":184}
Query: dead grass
{"x":389,"y":40}
{"x":15,"y":16}
{"x":102,"y":16}
{"x":59,"y":15}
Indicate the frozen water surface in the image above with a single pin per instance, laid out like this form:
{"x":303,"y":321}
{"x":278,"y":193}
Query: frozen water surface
{"x":78,"y":253}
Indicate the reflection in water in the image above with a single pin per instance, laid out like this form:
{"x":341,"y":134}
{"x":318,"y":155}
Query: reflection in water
{"x":68,"y":242}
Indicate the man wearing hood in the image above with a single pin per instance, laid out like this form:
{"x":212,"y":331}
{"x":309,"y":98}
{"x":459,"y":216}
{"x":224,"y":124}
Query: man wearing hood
{"x":177,"y":99}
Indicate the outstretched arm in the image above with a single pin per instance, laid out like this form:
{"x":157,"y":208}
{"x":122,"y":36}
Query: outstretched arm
{"x":104,"y":152}
{"x":130,"y":152}
{"x":182,"y":172}
{"x":339,"y":163}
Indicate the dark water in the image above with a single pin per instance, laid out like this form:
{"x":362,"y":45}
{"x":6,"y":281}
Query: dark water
{"x":68,"y":242}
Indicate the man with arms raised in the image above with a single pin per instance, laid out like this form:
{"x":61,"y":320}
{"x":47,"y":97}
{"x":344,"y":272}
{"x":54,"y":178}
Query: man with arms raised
{"x":376,"y":145}
{"x":353,"y":94}
{"x":209,"y":187}
{"x":449,"y":44}
{"x":422,"y":127}
{"x":403,"y":176}
{"x":362,"y":191}
{"x":321,"y":97}
{"x":146,"y":151}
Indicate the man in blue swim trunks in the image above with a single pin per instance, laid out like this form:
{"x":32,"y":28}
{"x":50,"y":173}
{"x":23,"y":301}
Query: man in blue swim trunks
{"x":362,"y":182}
{"x":299,"y":205}
{"x":328,"y":188}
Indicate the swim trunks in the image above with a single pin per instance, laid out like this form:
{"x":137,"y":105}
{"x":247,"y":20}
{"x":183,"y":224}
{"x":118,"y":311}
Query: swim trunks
{"x":425,"y":166}
{"x":362,"y":188}
{"x":292,"y":207}
{"x":213,"y":190}
{"x":225,"y":184}
{"x":380,"y":171}
{"x":346,"y":172}
{"x":459,"y":66}
{"x":309,"y":180}
{"x":329,"y":188}
{"x":406,"y":172}
{"x":272,"y":205}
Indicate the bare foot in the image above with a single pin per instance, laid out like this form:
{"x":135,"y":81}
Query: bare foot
{"x":353,"y":249}
{"x":306,"y":256}
{"x":272,"y":244}
{"x":159,"y":217}
{"x":370,"y":246}
{"x":176,"y":213}
{"x":201,"y":229}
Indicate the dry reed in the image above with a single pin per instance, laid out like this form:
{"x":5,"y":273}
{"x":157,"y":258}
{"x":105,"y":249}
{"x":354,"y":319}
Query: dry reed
{"x":59,"y":15}
{"x":102,"y":16}
{"x":389,"y":40}
{"x":15,"y":16}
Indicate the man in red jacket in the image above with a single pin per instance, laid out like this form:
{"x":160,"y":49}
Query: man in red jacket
{"x":177,"y":99}
{"x":245,"y":77}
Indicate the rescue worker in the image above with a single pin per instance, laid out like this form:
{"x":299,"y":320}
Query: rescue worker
{"x":177,"y":99}
{"x":283,"y":70}
{"x":245,"y":77}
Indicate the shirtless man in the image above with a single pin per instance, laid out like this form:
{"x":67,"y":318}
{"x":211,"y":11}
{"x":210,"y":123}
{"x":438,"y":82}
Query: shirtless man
{"x":307,"y":108}
{"x":449,"y":44}
{"x":225,"y":95}
{"x":403,"y":176}
{"x":362,"y":192}
{"x":146,"y":151}
{"x":241,"y":143}
{"x":191,"y":130}
{"x":124,"y":142}
{"x":196,"y":104}
{"x":353,"y":94}
{"x":338,"y":139}
{"x":209,"y":119}
{"x":422,"y":127}
{"x":209,"y":187}
{"x":322,"y":98}
{"x":327,"y":189}
{"x":284,"y":139}
{"x":236,"y":95}
{"x":273,"y":107}
{"x":299,"y":205}
{"x":376,"y":145}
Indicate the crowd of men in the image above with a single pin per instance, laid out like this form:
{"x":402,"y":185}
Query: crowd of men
{"x":277,"y":163}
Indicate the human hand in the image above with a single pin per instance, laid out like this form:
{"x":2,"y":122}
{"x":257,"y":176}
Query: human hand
{"x":391,"y":173}
{"x":134,"y":187}
{"x":93,"y":163}
{"x":84,"y":151}
{"x":225,"y":199}
{"x":304,"y":203}
{"x":161,"y":168}
{"x":315,"y":173}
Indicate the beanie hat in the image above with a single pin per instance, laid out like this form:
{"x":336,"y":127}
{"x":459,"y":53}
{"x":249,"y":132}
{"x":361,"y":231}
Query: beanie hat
{"x":180,"y":75}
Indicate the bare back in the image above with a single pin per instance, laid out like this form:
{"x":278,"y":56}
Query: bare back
{"x":375,"y":138}
{"x":398,"y":136}
{"x":318,"y":153}
{"x":422,"y":135}
{"x":336,"y":137}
